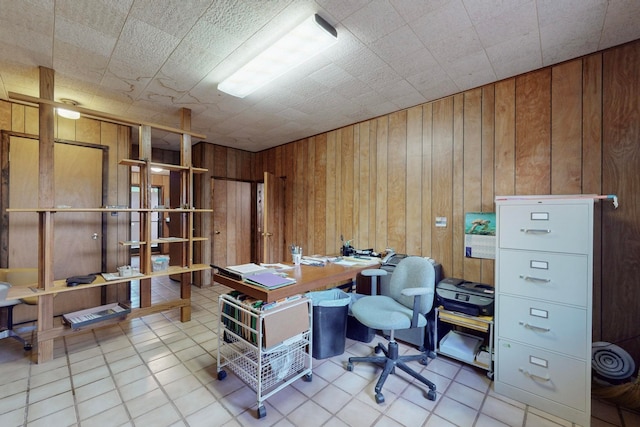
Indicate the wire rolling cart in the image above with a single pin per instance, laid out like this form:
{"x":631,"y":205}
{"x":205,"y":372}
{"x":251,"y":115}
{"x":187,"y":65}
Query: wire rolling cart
{"x":241,"y":333}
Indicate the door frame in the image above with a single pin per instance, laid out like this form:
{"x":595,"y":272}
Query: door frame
{"x":5,"y":141}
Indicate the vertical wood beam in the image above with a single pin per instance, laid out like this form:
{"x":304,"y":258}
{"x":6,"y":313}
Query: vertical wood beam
{"x":46,"y":199}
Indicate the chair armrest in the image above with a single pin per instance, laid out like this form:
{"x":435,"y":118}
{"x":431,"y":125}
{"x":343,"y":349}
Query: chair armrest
{"x":374,"y":273}
{"x":412,"y":292}
{"x":417,"y":294}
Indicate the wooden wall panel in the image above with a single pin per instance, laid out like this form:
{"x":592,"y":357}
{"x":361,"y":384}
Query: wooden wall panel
{"x":364,"y":201}
{"x":487,"y":267}
{"x":442,"y":175}
{"x":310,"y":190}
{"x":382,"y":133}
{"x":533,"y":140}
{"x":592,"y":169}
{"x":621,"y":227}
{"x":397,"y":181}
{"x":505,"y":138}
{"x":332,"y":235}
{"x":457,"y":193}
{"x":413,"y":228}
{"x":346,"y":188}
{"x":427,"y":189}
{"x":472,"y":175}
{"x":320,"y":196}
{"x":566,"y":128}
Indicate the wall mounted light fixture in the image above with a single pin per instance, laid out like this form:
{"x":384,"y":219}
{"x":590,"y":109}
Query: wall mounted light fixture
{"x":68,"y":114}
{"x":299,"y":45}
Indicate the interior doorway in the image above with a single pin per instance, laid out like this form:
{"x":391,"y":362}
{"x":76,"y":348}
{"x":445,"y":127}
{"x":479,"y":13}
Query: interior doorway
{"x":157,"y":220}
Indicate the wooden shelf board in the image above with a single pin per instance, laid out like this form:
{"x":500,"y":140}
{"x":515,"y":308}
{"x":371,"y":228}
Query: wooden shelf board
{"x":59,"y":286}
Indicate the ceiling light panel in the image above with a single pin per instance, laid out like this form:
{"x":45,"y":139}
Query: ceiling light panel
{"x":304,"y":42}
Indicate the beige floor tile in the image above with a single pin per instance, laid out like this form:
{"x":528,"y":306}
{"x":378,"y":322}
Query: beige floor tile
{"x":98,"y":404}
{"x":204,"y":417}
{"x":117,"y":416}
{"x":406,"y":413}
{"x":49,"y":406}
{"x":309,"y":414}
{"x":193,"y":401}
{"x":165,"y":415}
{"x":357,"y":412}
{"x":90,"y":376}
{"x":455,"y":412}
{"x":502,"y":411}
{"x":146,"y":402}
{"x":48,"y":390}
{"x":138,"y":388}
{"x":13,"y":402}
{"x":64,"y":417}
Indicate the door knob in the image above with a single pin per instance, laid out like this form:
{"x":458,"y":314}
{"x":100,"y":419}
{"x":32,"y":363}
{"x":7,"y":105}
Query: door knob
{"x":94,"y":236}
{"x":216,"y":232}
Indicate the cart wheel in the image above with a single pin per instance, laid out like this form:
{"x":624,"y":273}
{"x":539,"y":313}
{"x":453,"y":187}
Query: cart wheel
{"x":262,"y":411}
{"x":431,"y":395}
{"x":307,"y":378}
{"x":490,"y":375}
{"x":349,"y":366}
{"x":379,"y":398}
{"x":222,"y":375}
{"x":424,"y":361}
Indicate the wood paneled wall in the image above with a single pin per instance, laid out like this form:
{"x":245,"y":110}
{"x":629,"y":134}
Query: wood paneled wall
{"x":566,"y":129}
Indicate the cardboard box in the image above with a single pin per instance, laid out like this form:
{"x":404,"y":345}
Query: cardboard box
{"x":285,"y":321}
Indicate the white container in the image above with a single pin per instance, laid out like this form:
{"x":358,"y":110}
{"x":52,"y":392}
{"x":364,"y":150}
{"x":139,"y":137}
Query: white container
{"x":160,"y":263}
{"x":460,"y":345}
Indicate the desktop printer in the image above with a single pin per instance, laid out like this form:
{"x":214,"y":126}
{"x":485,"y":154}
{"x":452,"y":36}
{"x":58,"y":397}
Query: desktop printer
{"x":475,"y":299}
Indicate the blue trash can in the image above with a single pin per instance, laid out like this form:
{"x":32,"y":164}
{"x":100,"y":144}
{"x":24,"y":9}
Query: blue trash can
{"x":329,"y":333}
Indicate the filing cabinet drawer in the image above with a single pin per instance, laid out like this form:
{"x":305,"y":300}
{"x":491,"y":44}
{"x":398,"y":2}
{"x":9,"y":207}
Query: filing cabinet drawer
{"x":545,"y":275}
{"x":545,"y":227}
{"x":538,"y":323}
{"x":549,"y":375}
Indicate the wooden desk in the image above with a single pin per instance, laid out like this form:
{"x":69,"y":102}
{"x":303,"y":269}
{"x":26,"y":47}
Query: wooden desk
{"x":308,"y":278}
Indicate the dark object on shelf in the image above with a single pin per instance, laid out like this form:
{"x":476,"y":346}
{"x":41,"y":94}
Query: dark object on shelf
{"x":80,"y":280}
{"x":474,"y":299}
{"x":79,"y":319}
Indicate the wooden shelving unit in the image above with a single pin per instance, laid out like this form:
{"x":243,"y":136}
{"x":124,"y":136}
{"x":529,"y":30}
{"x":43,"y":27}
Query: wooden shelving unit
{"x":49,"y":327}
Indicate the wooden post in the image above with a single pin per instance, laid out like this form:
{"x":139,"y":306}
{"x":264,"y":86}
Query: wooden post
{"x":46,"y":199}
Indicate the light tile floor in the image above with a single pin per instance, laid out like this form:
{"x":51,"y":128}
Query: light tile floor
{"x":156,"y":371}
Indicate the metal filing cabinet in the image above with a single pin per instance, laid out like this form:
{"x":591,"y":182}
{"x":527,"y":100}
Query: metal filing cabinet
{"x":544,"y":275}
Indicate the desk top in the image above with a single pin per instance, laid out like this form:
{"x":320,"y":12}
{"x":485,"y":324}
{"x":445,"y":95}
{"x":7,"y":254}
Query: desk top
{"x":308,"y":278}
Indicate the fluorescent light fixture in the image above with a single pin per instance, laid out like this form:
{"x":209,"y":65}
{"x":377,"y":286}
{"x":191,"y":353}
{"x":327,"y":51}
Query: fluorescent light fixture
{"x":68,"y":114}
{"x":304,"y":42}
{"x":155,"y":169}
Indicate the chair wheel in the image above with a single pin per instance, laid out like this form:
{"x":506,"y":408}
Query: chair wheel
{"x":424,"y":361}
{"x":27,"y":347}
{"x":307,"y":378}
{"x":379,"y":398}
{"x":262,"y":411}
{"x":431,"y":395}
{"x":377,"y":349}
{"x":349,"y":366}
{"x":222,"y":375}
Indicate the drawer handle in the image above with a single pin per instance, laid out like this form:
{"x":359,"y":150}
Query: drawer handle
{"x":534,"y":376}
{"x":535,"y":230}
{"x":534,"y":327}
{"x":534,"y":279}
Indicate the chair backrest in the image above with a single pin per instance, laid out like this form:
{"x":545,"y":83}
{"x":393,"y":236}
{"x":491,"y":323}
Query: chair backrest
{"x":4,"y":290}
{"x":413,"y":272}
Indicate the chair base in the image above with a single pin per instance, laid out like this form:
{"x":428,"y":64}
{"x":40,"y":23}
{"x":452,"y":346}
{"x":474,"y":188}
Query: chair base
{"x":8,"y":333}
{"x":390,"y":361}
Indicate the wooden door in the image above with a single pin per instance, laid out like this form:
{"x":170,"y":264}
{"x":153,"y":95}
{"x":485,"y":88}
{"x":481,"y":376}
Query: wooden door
{"x":272,"y":232}
{"x":78,"y":183}
{"x":231,"y":222}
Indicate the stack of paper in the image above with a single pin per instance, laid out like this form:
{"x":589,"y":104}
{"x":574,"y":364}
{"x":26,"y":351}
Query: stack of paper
{"x":269,"y":280}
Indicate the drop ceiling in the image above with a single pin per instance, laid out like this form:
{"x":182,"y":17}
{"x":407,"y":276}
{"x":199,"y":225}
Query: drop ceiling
{"x":147,"y":59}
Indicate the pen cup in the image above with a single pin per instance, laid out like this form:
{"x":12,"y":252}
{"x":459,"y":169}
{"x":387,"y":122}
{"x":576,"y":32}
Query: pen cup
{"x":296,"y":254}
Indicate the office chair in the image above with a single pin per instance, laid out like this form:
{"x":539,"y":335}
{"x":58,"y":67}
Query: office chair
{"x":412,"y":289}
{"x":6,"y":307}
